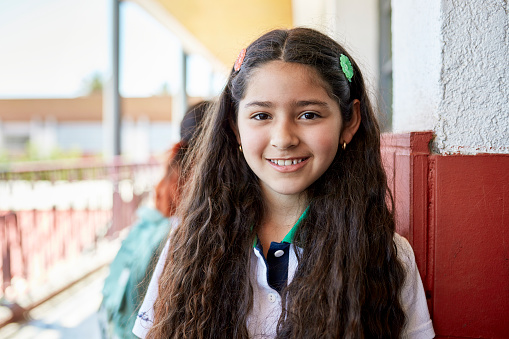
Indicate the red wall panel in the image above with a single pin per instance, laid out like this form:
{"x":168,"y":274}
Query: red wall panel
{"x":454,"y":211}
{"x":471,"y":257}
{"x":405,"y":159}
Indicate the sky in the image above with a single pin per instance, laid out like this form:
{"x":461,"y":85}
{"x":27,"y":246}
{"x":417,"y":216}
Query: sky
{"x":52,"y":49}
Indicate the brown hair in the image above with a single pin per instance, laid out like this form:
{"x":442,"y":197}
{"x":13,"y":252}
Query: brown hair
{"x":348,"y":278}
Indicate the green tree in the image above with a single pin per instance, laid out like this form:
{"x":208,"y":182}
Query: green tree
{"x":93,"y":84}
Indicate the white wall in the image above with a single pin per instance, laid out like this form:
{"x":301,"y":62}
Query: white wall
{"x":357,"y":28}
{"x":416,"y":59}
{"x":318,"y":14}
{"x":450,"y":67}
{"x":354,"y":24}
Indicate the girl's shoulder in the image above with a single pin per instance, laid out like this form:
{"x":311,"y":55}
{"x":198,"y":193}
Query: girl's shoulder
{"x":145,"y":318}
{"x":405,"y":251}
{"x":413,"y":299}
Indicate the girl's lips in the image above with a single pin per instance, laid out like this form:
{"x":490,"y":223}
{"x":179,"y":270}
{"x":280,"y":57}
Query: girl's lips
{"x":288,"y":165}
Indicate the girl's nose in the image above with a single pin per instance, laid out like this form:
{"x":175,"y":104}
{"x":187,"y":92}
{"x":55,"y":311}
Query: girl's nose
{"x":284,"y":135}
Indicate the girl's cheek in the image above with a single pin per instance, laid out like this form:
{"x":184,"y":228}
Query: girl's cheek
{"x":252,"y":136}
{"x":327,"y":140}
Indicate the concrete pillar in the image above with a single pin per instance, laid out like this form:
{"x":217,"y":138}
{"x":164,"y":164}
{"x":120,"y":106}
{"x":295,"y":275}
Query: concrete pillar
{"x":111,"y":95}
{"x":179,"y":102}
{"x":450,"y":73}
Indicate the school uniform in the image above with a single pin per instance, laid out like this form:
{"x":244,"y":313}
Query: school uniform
{"x":269,"y":275}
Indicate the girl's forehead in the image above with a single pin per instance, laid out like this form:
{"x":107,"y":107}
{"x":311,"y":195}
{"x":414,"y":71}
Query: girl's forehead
{"x":288,"y":74}
{"x":298,"y":70}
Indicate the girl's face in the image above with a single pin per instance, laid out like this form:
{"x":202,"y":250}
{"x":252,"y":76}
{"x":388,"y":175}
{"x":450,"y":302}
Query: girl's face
{"x":288,"y":126}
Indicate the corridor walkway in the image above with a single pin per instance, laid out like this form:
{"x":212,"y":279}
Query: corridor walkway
{"x":69,"y":315}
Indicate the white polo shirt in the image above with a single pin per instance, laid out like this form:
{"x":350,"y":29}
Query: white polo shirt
{"x":264,"y":316}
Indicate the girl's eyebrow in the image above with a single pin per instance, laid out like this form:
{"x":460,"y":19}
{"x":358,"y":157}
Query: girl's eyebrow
{"x":305,"y":103}
{"x":266,"y":104}
{"x":302,"y":103}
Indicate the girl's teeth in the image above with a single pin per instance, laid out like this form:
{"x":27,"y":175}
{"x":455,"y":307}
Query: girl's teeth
{"x":286,"y":162}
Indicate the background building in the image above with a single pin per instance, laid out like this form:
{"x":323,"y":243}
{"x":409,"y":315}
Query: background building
{"x":75,"y":125}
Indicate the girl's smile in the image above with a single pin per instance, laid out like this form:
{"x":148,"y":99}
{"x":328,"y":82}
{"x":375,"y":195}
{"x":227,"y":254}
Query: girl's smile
{"x":288,"y":165}
{"x":289,"y":127}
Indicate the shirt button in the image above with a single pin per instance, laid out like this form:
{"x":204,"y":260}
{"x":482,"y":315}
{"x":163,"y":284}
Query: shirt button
{"x":272,"y":297}
{"x":279,"y":253}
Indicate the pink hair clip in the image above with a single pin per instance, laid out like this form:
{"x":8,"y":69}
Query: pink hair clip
{"x":240,"y":60}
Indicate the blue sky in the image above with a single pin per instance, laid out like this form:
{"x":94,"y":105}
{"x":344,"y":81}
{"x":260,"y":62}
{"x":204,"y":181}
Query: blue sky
{"x":49,"y":48}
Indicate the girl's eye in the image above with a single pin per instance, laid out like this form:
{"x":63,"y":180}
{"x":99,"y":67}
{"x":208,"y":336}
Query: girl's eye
{"x":309,"y":116}
{"x":261,"y":116}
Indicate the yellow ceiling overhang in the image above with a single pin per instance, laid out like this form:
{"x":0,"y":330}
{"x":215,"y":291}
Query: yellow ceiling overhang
{"x":224,"y":27}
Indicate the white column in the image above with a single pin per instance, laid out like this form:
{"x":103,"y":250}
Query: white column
{"x":111,"y":96}
{"x":450,"y":73}
{"x":179,"y":100}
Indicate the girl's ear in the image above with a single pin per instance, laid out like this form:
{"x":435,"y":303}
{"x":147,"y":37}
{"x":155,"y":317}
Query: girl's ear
{"x":352,"y":126}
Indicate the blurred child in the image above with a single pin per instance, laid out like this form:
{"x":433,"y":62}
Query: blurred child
{"x":126,"y":284}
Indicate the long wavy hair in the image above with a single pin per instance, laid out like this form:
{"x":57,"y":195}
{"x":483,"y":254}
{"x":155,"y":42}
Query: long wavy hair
{"x":348,"y":278}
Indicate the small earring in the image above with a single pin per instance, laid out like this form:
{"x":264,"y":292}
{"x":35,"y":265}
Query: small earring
{"x":240,"y":147}
{"x":344,"y":145}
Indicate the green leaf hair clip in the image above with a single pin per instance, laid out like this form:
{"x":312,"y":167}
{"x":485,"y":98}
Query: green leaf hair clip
{"x":346,"y":66}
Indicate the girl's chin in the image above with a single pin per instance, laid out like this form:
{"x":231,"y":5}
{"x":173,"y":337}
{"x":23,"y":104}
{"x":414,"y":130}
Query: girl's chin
{"x":285,"y":192}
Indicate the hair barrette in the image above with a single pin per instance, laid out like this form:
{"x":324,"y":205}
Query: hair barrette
{"x":346,"y":66}
{"x":240,"y":60}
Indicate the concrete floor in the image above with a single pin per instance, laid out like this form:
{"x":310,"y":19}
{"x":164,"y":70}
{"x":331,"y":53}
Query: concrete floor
{"x":69,"y":315}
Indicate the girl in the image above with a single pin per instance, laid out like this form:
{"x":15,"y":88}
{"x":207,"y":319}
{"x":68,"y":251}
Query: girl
{"x":287,"y":228}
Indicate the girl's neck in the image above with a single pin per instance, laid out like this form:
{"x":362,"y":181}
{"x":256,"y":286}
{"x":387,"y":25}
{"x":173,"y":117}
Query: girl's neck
{"x":281,"y":214}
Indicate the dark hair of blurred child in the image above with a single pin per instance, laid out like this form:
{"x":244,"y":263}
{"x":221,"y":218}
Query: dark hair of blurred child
{"x":167,"y":192}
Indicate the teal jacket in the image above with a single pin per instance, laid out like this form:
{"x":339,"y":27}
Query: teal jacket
{"x":126,"y":284}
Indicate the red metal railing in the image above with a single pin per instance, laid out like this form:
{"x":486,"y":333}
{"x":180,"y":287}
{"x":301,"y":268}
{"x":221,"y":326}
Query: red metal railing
{"x":80,"y":204}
